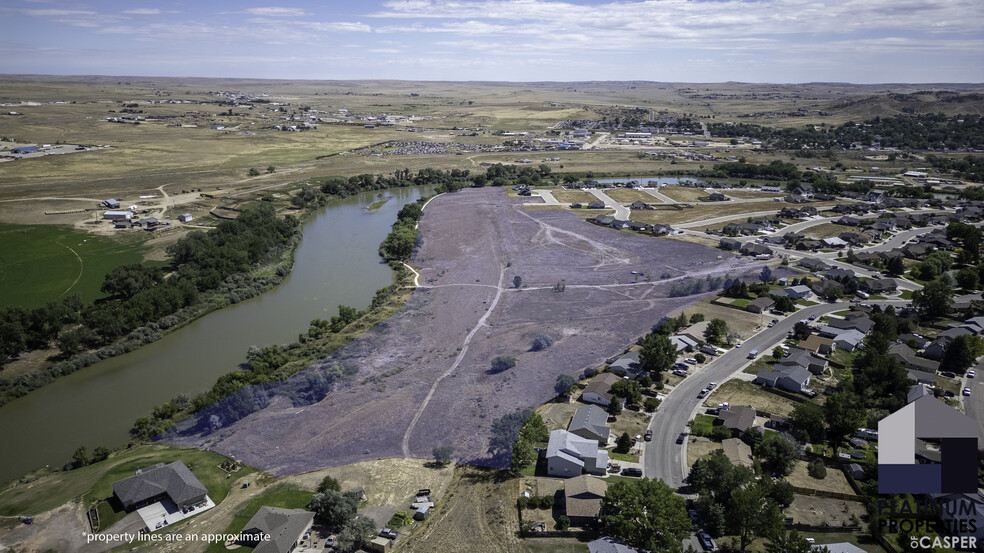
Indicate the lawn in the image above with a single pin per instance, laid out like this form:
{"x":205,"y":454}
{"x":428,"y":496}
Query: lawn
{"x":41,"y":263}
{"x":283,"y":496}
{"x":94,"y":482}
{"x":684,"y":193}
{"x":702,"y":425}
{"x":741,"y":302}
{"x":623,"y":457}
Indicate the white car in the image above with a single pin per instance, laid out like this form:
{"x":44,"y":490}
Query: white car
{"x":739,"y":345}
{"x":966,"y":391}
{"x":971,"y":373}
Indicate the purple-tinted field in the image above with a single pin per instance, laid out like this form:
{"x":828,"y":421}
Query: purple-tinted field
{"x":421,"y":377}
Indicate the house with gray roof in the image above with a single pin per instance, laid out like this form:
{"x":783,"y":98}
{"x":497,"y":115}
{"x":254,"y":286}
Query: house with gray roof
{"x":730,"y":244}
{"x":276,"y":530}
{"x":571,"y":455}
{"x":803,"y":359}
{"x":737,"y":418}
{"x":798,"y":292}
{"x":917,"y":391}
{"x":683,"y":343}
{"x":905,"y":357}
{"x":813,"y":264}
{"x":590,"y":422}
{"x":609,"y":545}
{"x":849,"y":340}
{"x":791,"y":378}
{"x":628,"y":363}
{"x":171,"y":482}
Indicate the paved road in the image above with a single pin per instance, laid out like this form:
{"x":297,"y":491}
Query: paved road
{"x":974,"y":403}
{"x":663,"y":458}
{"x":621,"y":212}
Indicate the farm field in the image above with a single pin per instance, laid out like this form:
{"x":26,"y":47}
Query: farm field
{"x":39,"y":263}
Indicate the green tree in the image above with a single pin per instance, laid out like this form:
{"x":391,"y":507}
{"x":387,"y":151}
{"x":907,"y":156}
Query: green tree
{"x":523,"y":454}
{"x":817,"y":469}
{"x":101,"y":454}
{"x":356,"y":534}
{"x":696,"y":318}
{"x":962,"y":352}
{"x":791,"y":542}
{"x":807,"y":422}
{"x":752,"y":514}
{"x":657,"y":353}
{"x":777,"y":353}
{"x":563,"y":523}
{"x":541,"y":342}
{"x":700,"y":357}
{"x":623,"y":444}
{"x":968,"y":278}
{"x":615,"y":408}
{"x":628,"y":390}
{"x":716,"y":330}
{"x":646,"y":514}
{"x":935,"y":299}
{"x":334,"y":508}
{"x":844,"y":414}
{"x":779,"y":454}
{"x":785,"y":304}
{"x":271,"y":169}
{"x":651,"y":404}
{"x":329,"y":483}
{"x":443,"y":454}
{"x":253,"y":172}
{"x":564,"y":383}
{"x":502,"y":363}
{"x":895,"y":265}
{"x":80,"y":458}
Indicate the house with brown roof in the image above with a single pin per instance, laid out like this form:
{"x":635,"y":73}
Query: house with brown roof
{"x":816,"y":344}
{"x":738,"y":452}
{"x":582,"y":496}
{"x":599,"y":389}
{"x":760,"y":305}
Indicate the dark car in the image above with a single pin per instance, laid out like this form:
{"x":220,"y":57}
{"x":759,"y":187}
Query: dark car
{"x":631,"y":471}
{"x":706,"y":541}
{"x":681,"y":437}
{"x":649,"y":436}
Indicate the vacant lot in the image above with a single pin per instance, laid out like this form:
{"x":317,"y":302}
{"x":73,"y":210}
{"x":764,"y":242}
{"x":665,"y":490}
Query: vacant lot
{"x":684,"y":193}
{"x":423,"y":376}
{"x":558,"y":415}
{"x":823,"y":510}
{"x":825,"y":230}
{"x":629,"y":195}
{"x":740,"y":392}
{"x":835,"y":481}
{"x":572,"y":196}
{"x":750,"y":194}
{"x":479,"y":515}
{"x":698,"y":448}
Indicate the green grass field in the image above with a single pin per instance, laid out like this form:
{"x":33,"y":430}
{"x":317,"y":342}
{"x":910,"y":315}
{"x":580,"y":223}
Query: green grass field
{"x":282,"y":496}
{"x":94,"y":482}
{"x":41,"y":263}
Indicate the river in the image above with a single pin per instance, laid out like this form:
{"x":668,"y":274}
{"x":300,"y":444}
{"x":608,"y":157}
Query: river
{"x":336,"y":263}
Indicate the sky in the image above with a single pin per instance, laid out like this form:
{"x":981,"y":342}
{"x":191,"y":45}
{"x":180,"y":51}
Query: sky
{"x":774,"y":41}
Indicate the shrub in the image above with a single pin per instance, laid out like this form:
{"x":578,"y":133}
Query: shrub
{"x":541,"y":342}
{"x":502,"y":363}
{"x":817,"y":469}
{"x":720,"y":433}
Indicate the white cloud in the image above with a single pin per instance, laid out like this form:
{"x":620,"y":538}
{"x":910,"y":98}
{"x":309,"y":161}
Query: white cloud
{"x":277,"y":12}
{"x":143,"y":11}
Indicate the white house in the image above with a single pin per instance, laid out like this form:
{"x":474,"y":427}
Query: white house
{"x":185,"y":217}
{"x":118,"y":215}
{"x":598,"y":390}
{"x":570,"y":455}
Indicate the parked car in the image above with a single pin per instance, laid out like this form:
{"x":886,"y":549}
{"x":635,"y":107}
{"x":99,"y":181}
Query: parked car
{"x":649,"y":436}
{"x":703,"y":393}
{"x":706,"y":541}
{"x":680,"y":372}
{"x":948,"y":374}
{"x":681,"y":437}
{"x":712,"y":385}
{"x":632,"y":471}
{"x":966,"y":391}
{"x":388,"y":533}
{"x":692,"y":514}
{"x":690,"y":360}
{"x":971,"y":373}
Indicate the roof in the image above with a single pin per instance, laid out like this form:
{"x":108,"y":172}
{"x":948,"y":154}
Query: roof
{"x":627,"y":362}
{"x":571,"y":447}
{"x":610,"y":545}
{"x":761,"y":303}
{"x":799,"y":289}
{"x":840,"y":547}
{"x":738,"y":452}
{"x":583,"y":496}
{"x":284,"y":526}
{"x":814,"y":343}
{"x":737,"y":417}
{"x":592,"y":418}
{"x":601,"y":384}
{"x":174,"y":479}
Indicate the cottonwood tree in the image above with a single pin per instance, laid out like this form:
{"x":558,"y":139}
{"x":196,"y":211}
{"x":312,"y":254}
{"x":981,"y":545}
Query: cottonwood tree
{"x":645,"y":513}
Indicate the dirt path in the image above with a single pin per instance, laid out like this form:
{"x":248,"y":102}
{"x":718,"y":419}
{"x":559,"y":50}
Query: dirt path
{"x":81,"y":269}
{"x":457,"y":361}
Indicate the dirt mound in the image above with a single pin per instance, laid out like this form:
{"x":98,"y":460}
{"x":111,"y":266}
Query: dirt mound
{"x":422,"y":377}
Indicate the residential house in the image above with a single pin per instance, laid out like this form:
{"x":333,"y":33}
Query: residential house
{"x":798,"y":292}
{"x":609,"y":545}
{"x":717,"y":197}
{"x":792,"y":378}
{"x":639,"y":204}
{"x":599,"y":389}
{"x":571,"y":455}
{"x":840,"y":547}
{"x":756,"y":249}
{"x":905,"y":357}
{"x":185,"y":217}
{"x":803,"y":359}
{"x":760,"y":305}
{"x":730,"y":244}
{"x":849,"y":340}
{"x":276,"y":530}
{"x":604,"y":220}
{"x":825,"y":286}
{"x":917,"y":391}
{"x":817,"y":344}
{"x":590,"y":422}
{"x":582,"y":499}
{"x":596,"y":204}
{"x":683,"y":343}
{"x":627,"y":364}
{"x":919,"y":342}
{"x":736,"y":418}
{"x":834,"y":243}
{"x":809,"y":244}
{"x":111,"y":203}
{"x":879,"y":286}
{"x":738,"y":452}
{"x":813,"y":264}
{"x":118,"y":215}
{"x":172,"y":482}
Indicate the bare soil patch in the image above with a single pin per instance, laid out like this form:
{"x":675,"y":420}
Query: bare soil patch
{"x":558,"y":415}
{"x":699,"y":448}
{"x":429,"y":364}
{"x":816,"y":511}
